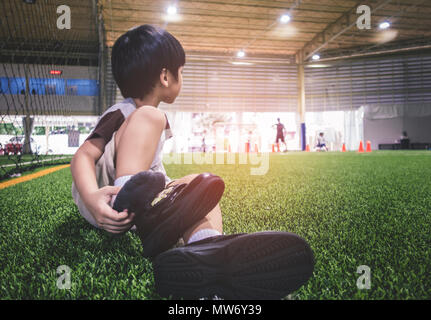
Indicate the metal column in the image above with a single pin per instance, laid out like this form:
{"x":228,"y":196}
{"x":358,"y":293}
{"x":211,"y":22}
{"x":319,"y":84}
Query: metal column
{"x":301,"y":99}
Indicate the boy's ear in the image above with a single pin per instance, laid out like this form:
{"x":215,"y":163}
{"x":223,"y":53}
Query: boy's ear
{"x":164,"y":78}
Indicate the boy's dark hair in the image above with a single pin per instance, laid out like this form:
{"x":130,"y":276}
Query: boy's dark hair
{"x":138,"y":57}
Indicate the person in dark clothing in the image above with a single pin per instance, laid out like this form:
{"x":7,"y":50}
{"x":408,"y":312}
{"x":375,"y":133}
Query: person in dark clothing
{"x":281,"y":131}
{"x":405,"y":141}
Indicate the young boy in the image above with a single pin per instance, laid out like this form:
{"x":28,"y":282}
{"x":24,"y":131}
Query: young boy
{"x":321,"y":142}
{"x":119,"y":182}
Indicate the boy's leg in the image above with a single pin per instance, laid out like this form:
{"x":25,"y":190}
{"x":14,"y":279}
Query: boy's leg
{"x":212,"y":221}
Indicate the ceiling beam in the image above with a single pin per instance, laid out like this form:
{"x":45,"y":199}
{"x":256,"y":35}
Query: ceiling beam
{"x":334,"y":30}
{"x":399,"y":47}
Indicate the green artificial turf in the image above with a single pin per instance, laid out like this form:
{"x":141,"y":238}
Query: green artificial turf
{"x":354,"y":209}
{"x":25,"y":164}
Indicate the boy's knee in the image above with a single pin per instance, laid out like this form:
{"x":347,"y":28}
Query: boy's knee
{"x":186,"y":179}
{"x":136,"y":118}
{"x":148,"y":113}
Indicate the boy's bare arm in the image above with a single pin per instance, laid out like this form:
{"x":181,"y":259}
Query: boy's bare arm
{"x":83,"y":166}
{"x":96,"y":200}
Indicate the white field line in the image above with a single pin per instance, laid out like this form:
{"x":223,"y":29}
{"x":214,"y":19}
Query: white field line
{"x":13,"y":164}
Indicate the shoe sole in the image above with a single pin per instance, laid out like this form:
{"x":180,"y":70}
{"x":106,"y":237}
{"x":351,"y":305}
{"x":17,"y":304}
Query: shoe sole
{"x":202,"y":195}
{"x":263,"y":265}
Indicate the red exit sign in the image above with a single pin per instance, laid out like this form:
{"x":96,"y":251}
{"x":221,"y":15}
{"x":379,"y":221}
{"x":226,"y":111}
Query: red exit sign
{"x":55,"y":72}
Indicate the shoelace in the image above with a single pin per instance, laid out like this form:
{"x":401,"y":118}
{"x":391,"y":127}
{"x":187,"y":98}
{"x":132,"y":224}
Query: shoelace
{"x":170,"y":191}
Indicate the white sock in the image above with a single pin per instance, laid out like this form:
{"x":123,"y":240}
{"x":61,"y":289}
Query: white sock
{"x":119,"y":182}
{"x":203,"y":234}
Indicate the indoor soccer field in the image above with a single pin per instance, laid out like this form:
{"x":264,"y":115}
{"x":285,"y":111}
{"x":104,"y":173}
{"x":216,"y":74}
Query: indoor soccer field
{"x":313,"y":115}
{"x":354,"y":209}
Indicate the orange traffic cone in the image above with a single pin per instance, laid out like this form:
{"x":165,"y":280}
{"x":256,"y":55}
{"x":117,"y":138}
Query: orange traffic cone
{"x":278,"y":146}
{"x":361,"y":147}
{"x":307,"y":148}
{"x":368,"y":146}
{"x":343,"y":149}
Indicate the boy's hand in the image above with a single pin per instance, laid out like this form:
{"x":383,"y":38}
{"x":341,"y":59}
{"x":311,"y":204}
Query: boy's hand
{"x":106,"y":217}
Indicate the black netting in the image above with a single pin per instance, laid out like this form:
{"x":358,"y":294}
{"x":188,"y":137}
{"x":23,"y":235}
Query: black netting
{"x":49,"y":78}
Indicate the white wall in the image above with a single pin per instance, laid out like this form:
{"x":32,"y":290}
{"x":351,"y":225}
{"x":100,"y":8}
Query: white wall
{"x":382,"y":131}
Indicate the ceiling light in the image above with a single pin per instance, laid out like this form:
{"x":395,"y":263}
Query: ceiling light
{"x":240,"y":54}
{"x":317,"y":66}
{"x":172,"y":10}
{"x":285,"y":18}
{"x":315,"y":57}
{"x":241,"y":63}
{"x":171,"y":14}
{"x":384,"y":25}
